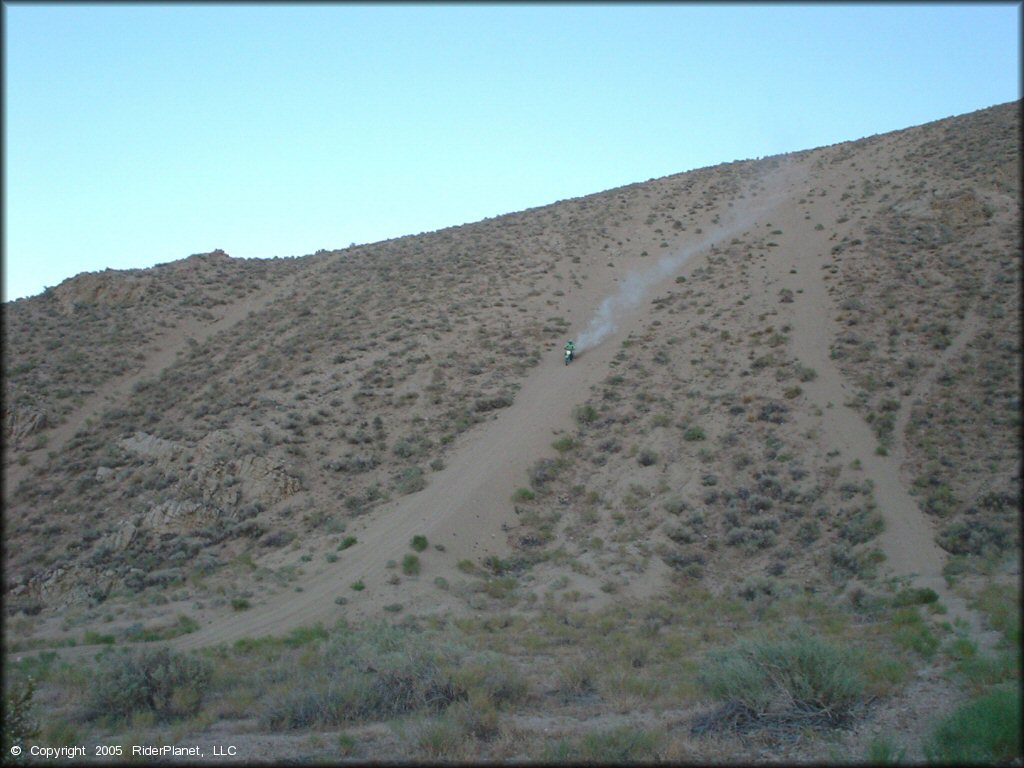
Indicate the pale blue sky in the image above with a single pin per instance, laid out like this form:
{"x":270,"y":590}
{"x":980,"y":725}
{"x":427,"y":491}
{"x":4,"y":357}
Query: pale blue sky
{"x":140,"y":134}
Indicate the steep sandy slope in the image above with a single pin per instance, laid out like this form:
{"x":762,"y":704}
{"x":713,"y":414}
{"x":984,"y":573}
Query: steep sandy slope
{"x":465,"y":510}
{"x":467,"y":507}
{"x":908,"y":539}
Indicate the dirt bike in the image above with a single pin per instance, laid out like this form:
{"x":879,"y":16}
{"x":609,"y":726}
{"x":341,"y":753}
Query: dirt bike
{"x":569,"y":355}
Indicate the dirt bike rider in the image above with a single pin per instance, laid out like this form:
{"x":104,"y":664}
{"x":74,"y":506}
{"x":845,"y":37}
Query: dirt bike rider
{"x":570,"y":350}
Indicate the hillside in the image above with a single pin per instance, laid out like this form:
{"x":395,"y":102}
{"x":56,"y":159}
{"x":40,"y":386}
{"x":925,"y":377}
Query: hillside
{"x":796,"y":404}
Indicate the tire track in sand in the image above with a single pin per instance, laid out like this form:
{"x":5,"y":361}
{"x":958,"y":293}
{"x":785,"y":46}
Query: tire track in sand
{"x":908,"y":539}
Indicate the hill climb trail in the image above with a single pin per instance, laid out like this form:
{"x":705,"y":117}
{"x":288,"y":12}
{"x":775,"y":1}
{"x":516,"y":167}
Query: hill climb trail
{"x":467,"y":506}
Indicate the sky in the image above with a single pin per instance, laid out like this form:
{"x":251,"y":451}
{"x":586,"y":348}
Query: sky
{"x":138,"y":134}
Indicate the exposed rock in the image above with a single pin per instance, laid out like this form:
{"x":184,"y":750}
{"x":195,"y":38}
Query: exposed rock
{"x":122,"y":537}
{"x":144,"y":444}
{"x":265,"y":480}
{"x":175,"y":516}
{"x":110,"y":287}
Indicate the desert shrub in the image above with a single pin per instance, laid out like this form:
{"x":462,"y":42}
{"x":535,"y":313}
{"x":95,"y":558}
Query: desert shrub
{"x":411,"y":565}
{"x":585,"y":414}
{"x":418,"y":542}
{"x":940,"y":501}
{"x":775,"y":413}
{"x":493,"y":677}
{"x":564,"y":444}
{"x":20,"y":724}
{"x":1001,"y":605}
{"x":405,"y":448}
{"x":676,"y":505}
{"x":160,"y":681}
{"x":802,"y":680}
{"x":863,"y":525}
{"x":543,"y":472}
{"x":523,"y":494}
{"x":305,"y":635}
{"x":442,"y":738}
{"x":376,"y":673}
{"x":411,"y":480}
{"x":983,"y":731}
{"x":808,"y":532}
{"x":974,"y":537}
{"x":911,"y":632}
{"x":483,"y":405}
{"x":647,"y":457}
{"x":915,"y":596}
{"x":577,"y":679}
{"x":277,"y":538}
{"x":693,"y":434}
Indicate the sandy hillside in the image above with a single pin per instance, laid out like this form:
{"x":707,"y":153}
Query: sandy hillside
{"x":796,"y":403}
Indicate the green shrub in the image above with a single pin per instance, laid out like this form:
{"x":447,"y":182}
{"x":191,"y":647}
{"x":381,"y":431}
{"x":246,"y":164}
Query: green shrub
{"x":95,"y":638}
{"x":564,"y":444}
{"x":976,"y":537}
{"x":585,"y":414}
{"x":802,"y":677}
{"x":543,"y":472}
{"x":240,"y":604}
{"x":411,"y":480}
{"x":492,"y":677}
{"x":19,"y":724}
{"x":647,"y":457}
{"x":411,"y":565}
{"x":985,"y":730}
{"x":692,"y":434}
{"x":301,"y":636}
{"x":911,"y":632}
{"x":161,"y":681}
{"x":884,"y":751}
{"x":441,"y":738}
{"x":419,"y":543}
{"x":915,"y":596}
{"x":523,"y":495}
{"x":377,"y":673}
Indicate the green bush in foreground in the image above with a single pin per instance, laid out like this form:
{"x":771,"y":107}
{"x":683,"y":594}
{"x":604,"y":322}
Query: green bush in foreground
{"x":20,"y":724}
{"x":985,"y":730}
{"x":161,"y":681}
{"x":802,"y":678}
{"x":378,"y":673}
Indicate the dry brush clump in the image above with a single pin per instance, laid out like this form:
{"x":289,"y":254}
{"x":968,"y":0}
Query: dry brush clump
{"x":783,"y":685}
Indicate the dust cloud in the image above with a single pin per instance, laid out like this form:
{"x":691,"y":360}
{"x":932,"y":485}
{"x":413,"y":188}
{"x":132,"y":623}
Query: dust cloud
{"x":639,"y":282}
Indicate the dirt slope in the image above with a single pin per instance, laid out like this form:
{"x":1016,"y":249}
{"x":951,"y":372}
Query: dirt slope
{"x":466,"y":508}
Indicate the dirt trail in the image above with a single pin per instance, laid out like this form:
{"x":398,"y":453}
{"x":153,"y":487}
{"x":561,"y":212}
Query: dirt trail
{"x":908,"y":540}
{"x":467,"y":504}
